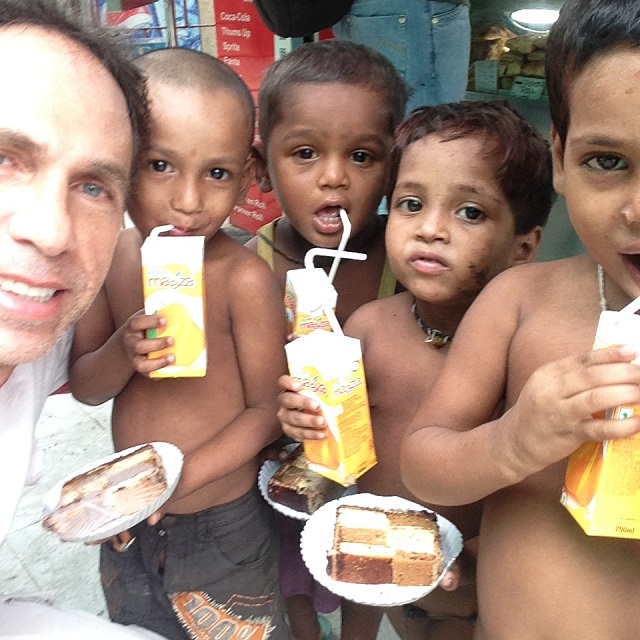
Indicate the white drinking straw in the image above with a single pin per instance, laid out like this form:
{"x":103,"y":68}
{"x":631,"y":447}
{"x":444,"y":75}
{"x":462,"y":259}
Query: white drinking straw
{"x":333,"y":321}
{"x":161,"y":229}
{"x":632,"y":307}
{"x":321,"y":251}
{"x":346,"y":232}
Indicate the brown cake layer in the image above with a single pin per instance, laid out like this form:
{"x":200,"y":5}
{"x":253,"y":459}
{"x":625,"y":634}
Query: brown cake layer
{"x":297,"y":487}
{"x":110,"y":491}
{"x":377,"y":546}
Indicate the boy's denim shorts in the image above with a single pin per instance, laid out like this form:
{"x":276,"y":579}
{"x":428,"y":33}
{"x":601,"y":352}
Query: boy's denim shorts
{"x":212,"y":574}
{"x":427,"y":42}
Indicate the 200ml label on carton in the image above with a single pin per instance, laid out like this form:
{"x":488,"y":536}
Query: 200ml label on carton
{"x":602,"y":481}
{"x":330,"y":369}
{"x":173,"y":288}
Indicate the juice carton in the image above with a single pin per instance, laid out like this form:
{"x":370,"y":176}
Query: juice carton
{"x":329,"y":366}
{"x":173,"y":288}
{"x":307,"y":293}
{"x":310,"y":291}
{"x":602,"y":483}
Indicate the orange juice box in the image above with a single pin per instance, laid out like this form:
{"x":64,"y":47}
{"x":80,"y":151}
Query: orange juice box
{"x":329,"y":366}
{"x":307,"y":293}
{"x":173,"y":288}
{"x":602,"y":482}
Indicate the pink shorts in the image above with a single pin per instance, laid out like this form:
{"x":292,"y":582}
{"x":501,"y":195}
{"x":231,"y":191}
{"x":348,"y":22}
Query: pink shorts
{"x":295,"y":578}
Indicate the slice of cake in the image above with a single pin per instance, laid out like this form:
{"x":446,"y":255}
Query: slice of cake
{"x":377,"y":546}
{"x":297,"y":487}
{"x":110,"y":491}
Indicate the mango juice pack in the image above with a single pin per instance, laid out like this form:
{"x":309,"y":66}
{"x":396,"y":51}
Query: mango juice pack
{"x":173,"y":287}
{"x":329,"y":366}
{"x":308,"y":292}
{"x":602,"y":482}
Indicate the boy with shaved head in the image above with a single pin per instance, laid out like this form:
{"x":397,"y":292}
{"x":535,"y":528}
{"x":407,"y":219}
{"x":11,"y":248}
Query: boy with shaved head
{"x":208,"y":566}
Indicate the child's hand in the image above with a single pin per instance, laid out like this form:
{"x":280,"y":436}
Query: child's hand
{"x":137,"y":346}
{"x":560,"y":406}
{"x":276,"y":451}
{"x":300,"y":416}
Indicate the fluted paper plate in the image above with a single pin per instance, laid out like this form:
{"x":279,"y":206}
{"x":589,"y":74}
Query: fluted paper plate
{"x":317,"y":540}
{"x":268,"y":468}
{"x":172,"y":460}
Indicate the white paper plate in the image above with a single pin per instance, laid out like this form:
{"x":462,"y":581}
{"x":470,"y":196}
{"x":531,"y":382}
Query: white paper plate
{"x":317,"y":540}
{"x":172,"y":460}
{"x":268,"y":468}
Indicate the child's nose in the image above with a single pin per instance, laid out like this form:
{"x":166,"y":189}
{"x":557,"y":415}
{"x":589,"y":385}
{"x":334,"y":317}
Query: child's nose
{"x":334,"y":174}
{"x":434,"y":225}
{"x":187,"y":196}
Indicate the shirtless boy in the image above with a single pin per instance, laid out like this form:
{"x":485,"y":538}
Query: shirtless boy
{"x":473,"y":190}
{"x":328,"y":111}
{"x":213,"y":552}
{"x":525,"y":344}
{"x":327,"y":115}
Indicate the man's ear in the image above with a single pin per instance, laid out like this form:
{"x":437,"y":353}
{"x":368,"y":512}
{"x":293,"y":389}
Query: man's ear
{"x":259,"y":153}
{"x":557,"y":154}
{"x":526,"y":247}
{"x":247,"y":177}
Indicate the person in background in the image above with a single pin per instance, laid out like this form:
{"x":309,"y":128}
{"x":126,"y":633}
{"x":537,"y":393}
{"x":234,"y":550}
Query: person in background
{"x":207,"y":563}
{"x":428,"y":43}
{"x":472,"y":192}
{"x":524,"y":349}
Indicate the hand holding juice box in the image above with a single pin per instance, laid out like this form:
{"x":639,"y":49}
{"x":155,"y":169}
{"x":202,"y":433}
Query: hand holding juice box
{"x":602,"y":482}
{"x":329,"y":366}
{"x":173,"y":288}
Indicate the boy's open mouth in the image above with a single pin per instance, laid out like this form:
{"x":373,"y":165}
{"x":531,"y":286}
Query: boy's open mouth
{"x":328,"y":220}
{"x":634,"y":259}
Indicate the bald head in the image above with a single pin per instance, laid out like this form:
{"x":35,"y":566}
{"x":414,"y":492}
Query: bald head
{"x":185,"y":68}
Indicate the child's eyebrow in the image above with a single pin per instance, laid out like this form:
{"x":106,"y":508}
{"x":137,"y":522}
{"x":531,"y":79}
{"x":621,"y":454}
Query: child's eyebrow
{"x":598,"y":141}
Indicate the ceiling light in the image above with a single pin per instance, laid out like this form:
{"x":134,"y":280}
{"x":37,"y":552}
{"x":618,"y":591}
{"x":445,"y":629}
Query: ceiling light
{"x":536,"y":20}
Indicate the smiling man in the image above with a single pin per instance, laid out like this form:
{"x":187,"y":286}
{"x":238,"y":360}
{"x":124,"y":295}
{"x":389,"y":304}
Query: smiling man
{"x":72,"y":111}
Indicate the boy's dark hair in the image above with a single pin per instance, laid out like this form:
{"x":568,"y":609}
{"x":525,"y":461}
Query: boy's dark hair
{"x":524,"y":159}
{"x":584,"y":29}
{"x":327,"y":61}
{"x":181,"y":67}
{"x":109,"y":46}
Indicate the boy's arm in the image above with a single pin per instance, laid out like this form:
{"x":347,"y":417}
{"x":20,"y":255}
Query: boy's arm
{"x":454,"y":453}
{"x":258,"y":327}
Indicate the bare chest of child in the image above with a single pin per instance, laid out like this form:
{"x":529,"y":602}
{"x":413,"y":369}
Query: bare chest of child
{"x":187,"y":412}
{"x":539,"y":575}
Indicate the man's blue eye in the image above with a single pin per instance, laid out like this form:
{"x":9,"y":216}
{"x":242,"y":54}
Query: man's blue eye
{"x":92,"y":190}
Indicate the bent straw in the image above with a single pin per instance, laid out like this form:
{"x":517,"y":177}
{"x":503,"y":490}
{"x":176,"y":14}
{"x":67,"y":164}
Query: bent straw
{"x":321,"y":251}
{"x":346,"y":232}
{"x":632,"y":307}
{"x":161,"y":229}
{"x":333,"y":321}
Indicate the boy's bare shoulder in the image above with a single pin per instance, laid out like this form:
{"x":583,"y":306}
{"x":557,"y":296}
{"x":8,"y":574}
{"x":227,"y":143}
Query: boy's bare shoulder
{"x":524,"y":286}
{"x":239,"y":265}
{"x":372,"y":317}
{"x":125,"y":256}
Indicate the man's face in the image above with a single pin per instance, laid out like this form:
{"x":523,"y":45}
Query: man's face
{"x":65,"y":156}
